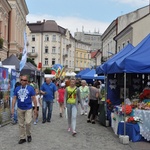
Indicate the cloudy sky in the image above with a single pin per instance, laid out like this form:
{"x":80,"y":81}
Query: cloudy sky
{"x":89,"y":15}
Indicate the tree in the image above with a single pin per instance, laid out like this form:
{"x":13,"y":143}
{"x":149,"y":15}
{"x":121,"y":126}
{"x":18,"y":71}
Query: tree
{"x":47,"y":71}
{"x":28,"y":60}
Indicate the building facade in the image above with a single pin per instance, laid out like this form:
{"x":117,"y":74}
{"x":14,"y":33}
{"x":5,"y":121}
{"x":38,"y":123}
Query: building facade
{"x":109,"y":46}
{"x":82,"y":55}
{"x":12,"y":26}
{"x":5,"y":10}
{"x":49,"y":44}
{"x":92,"y":38}
{"x":133,"y":33}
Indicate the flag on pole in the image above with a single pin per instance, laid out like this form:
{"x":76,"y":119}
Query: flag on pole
{"x":24,"y":53}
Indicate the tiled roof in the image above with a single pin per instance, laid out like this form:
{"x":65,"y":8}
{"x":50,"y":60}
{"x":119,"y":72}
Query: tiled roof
{"x":93,"y":54}
{"x":46,"y":26}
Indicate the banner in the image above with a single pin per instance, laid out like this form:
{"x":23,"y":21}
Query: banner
{"x":4,"y":96}
{"x":24,"y":53}
{"x":12,"y":85}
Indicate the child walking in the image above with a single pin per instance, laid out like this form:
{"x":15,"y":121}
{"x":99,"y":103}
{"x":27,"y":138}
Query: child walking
{"x":35,"y":115}
{"x":61,"y":93}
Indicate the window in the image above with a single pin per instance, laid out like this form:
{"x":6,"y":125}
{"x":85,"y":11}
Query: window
{"x":33,"y":49}
{"x":84,"y":55}
{"x":54,"y":49}
{"x":69,"y":63}
{"x":54,"y":38}
{"x":46,"y":49}
{"x":118,"y":48}
{"x":59,"y":50}
{"x":46,"y":38}
{"x":33,"y":37}
{"x":66,"y":62}
{"x":63,"y":51}
{"x":53,"y":61}
{"x":81,"y":55}
{"x":46,"y":61}
{"x":123,"y":45}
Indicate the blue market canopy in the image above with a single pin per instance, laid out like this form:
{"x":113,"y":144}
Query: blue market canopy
{"x":138,"y":61}
{"x":92,"y":75}
{"x":82,"y":72}
{"x":108,"y":66}
{"x":135,"y":61}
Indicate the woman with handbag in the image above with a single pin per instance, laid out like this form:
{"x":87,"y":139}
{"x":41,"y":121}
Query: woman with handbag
{"x":72,"y":96}
{"x":93,"y":102}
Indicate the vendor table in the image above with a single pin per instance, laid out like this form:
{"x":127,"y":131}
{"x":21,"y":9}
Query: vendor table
{"x":144,"y":115}
{"x":132,"y":130}
{"x":115,"y":119}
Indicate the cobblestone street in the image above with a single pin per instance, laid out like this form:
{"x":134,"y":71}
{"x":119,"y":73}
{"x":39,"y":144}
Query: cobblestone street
{"x":54,"y":136}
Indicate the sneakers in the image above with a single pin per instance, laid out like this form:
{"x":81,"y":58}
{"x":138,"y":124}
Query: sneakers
{"x":34,"y":123}
{"x":21,"y":141}
{"x":88,"y":120}
{"x":43,"y":121}
{"x":29,"y":138}
{"x":37,"y":120}
{"x":60,"y":115}
{"x":69,"y":129}
{"x":93,"y":122}
{"x":85,"y":114}
{"x":74,"y":133}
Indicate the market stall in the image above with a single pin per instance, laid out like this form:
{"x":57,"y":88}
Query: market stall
{"x":127,"y":77}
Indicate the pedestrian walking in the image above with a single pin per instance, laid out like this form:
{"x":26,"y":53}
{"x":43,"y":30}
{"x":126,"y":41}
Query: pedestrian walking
{"x":15,"y":116}
{"x":49,"y":91}
{"x":24,"y":95}
{"x":93,"y":103}
{"x":84,"y":92}
{"x":72,"y":96}
{"x":61,"y":93}
{"x":38,"y":100}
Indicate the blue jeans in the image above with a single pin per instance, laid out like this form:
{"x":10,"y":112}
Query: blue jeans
{"x":15,"y":114}
{"x":72,"y":114}
{"x":47,"y":105}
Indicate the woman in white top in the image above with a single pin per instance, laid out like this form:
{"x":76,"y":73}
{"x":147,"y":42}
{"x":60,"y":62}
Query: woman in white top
{"x":38,"y":99}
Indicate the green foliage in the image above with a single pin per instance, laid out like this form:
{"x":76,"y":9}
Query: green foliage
{"x":1,"y":42}
{"x":28,"y":60}
{"x":31,"y":61}
{"x":47,"y":71}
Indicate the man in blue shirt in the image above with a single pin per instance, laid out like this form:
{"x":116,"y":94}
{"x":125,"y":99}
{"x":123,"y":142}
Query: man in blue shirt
{"x":49,"y":92}
{"x":24,"y":95}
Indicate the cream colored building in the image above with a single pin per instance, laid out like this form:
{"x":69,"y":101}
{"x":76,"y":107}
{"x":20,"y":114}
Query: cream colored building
{"x":109,"y":46}
{"x":17,"y":25}
{"x":49,"y":44}
{"x":12,"y":26}
{"x":5,"y":9}
{"x":82,"y":55}
{"x":134,"y":33}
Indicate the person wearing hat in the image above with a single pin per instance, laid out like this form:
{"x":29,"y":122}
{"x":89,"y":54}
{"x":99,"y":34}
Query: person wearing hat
{"x":61,"y":93}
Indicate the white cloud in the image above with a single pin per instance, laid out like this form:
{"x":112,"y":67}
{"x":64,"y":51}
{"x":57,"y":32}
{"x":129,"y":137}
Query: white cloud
{"x":72,"y":23}
{"x":133,"y":2}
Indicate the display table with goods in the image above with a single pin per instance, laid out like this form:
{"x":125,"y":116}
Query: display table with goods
{"x":132,"y":130}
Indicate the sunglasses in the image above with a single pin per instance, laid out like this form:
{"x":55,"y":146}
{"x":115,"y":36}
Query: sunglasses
{"x":23,"y":80}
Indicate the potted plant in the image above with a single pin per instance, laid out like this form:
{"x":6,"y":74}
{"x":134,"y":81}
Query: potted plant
{"x":1,"y":43}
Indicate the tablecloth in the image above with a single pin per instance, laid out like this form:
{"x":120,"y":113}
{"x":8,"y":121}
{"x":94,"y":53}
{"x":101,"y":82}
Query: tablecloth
{"x":144,"y":115}
{"x":132,"y":130}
